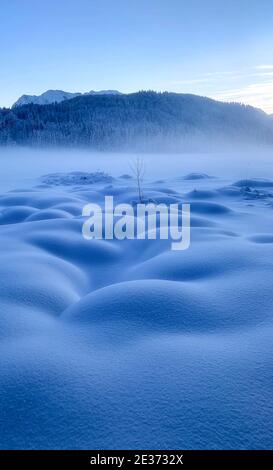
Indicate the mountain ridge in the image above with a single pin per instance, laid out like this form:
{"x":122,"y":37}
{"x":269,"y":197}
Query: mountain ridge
{"x":141,"y":121}
{"x":57,"y":96}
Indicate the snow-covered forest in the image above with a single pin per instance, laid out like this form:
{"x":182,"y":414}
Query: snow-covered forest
{"x":144,"y":120}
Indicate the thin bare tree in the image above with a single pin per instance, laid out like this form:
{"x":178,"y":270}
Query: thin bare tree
{"x":138,"y":169}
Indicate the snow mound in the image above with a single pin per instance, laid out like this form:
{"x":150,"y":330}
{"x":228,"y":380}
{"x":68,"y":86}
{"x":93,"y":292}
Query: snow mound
{"x":197,"y":176}
{"x":48,"y":214}
{"x":262,"y":238}
{"x":126,"y":176}
{"x":202,"y":194}
{"x":16,"y":214}
{"x":23,"y":281}
{"x":254,"y":183}
{"x":143,"y":306}
{"x":210,"y":208}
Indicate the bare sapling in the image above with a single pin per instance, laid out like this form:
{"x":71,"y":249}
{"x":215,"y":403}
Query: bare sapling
{"x":138,"y":169}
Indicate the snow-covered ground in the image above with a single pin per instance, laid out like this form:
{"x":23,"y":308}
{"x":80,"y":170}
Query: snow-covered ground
{"x":127,"y":344}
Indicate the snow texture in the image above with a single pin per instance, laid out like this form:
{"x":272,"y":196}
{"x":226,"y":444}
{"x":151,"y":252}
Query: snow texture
{"x":127,"y":344}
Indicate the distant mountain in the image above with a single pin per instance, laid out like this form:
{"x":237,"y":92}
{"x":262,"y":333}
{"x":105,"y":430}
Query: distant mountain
{"x":57,"y":96}
{"x":103,"y":92}
{"x":144,"y":121}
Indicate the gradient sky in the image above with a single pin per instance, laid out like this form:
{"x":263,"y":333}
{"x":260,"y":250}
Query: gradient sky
{"x":219,"y":48}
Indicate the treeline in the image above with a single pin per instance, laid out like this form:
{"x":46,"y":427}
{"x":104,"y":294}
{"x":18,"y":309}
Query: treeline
{"x":144,"y":120}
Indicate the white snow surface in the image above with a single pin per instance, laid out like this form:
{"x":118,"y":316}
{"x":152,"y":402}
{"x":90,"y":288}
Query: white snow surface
{"x":127,"y":344}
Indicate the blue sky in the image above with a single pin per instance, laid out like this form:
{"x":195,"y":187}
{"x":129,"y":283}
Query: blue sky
{"x":222,"y":49}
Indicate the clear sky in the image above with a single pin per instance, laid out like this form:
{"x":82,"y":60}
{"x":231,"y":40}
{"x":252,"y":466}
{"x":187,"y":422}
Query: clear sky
{"x":219,"y":48}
